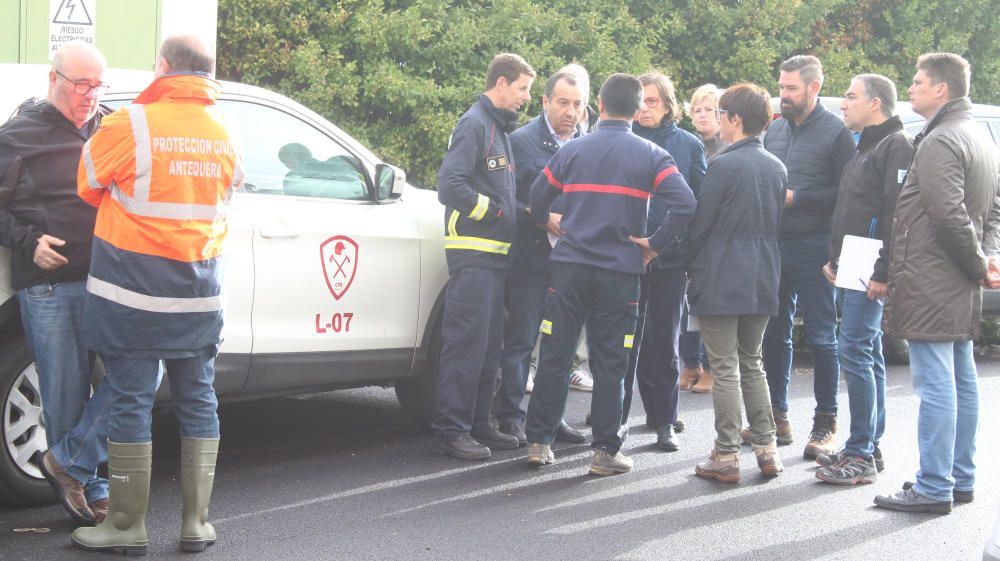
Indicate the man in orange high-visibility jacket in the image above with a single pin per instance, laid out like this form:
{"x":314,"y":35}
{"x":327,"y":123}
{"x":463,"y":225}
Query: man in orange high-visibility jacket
{"x":161,"y":172}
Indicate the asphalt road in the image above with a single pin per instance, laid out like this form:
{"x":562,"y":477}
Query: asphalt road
{"x":346,"y":476}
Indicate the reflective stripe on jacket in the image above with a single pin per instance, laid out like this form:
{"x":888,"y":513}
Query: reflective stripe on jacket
{"x":161,"y":172}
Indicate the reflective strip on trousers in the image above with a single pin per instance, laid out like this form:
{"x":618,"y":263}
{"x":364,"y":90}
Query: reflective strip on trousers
{"x":476,"y":244}
{"x":628,"y":341}
{"x":479,"y":212}
{"x":161,"y":304}
{"x":546,"y":327}
{"x":452,"y":220}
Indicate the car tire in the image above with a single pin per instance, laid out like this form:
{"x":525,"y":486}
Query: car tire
{"x":21,"y":483}
{"x":416,"y":395}
{"x":895,"y":351}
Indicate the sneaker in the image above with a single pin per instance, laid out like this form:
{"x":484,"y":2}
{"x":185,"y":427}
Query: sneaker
{"x":850,"y":470}
{"x":909,"y":500}
{"x":100,"y":509}
{"x":827,"y":460}
{"x":70,"y":491}
{"x":496,"y":440}
{"x":768,"y":460}
{"x":822,"y":436}
{"x":689,"y":377}
{"x":580,"y":379}
{"x":604,"y":463}
{"x":959,"y":496}
{"x":879,"y":460}
{"x":531,"y":378}
{"x":721,"y":467}
{"x":514,"y":429}
{"x":464,"y":448}
{"x":540,"y":455}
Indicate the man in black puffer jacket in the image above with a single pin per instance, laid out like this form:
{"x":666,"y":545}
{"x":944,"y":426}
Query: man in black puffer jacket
{"x":865,"y":204}
{"x":815,"y":146}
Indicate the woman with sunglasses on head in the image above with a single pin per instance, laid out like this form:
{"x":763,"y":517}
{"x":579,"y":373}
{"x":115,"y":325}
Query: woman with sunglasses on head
{"x":734,"y":269}
{"x":655,"y":360}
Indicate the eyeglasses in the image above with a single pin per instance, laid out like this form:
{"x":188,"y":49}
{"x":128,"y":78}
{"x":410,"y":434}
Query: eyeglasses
{"x":83,"y":87}
{"x":651,"y":102}
{"x":719,"y":112}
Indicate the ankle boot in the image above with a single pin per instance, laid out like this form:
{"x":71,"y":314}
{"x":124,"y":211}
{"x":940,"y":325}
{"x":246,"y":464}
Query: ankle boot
{"x":198,"y":457}
{"x":689,"y":377}
{"x":705,"y":383}
{"x":124,"y":529}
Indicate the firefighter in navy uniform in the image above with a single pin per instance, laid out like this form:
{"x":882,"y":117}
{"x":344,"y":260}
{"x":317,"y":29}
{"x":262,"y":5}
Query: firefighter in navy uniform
{"x":476,"y":185}
{"x":606,"y":180}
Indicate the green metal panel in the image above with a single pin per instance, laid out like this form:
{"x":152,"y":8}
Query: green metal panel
{"x":128,"y":32}
{"x":10,"y":30}
{"x":35,"y":31}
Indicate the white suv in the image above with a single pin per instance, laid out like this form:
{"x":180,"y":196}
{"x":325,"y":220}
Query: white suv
{"x":335,"y":273}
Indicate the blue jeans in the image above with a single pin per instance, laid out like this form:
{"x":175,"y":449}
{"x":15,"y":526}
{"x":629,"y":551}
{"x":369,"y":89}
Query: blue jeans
{"x":691,"y":348}
{"x":802,"y":282}
{"x":525,"y":309}
{"x":132,"y":387}
{"x":75,"y":422}
{"x":944,"y":377}
{"x":861,"y":360}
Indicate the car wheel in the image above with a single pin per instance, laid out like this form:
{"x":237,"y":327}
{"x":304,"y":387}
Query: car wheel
{"x":416,"y":395}
{"x":21,"y":483}
{"x":896,"y":351}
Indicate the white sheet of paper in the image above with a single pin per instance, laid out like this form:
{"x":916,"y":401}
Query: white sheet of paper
{"x":857,"y":261}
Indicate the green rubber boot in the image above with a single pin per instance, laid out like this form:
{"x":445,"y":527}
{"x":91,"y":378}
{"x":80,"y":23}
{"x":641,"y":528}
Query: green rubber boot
{"x":124,"y":529}
{"x":198,"y":457}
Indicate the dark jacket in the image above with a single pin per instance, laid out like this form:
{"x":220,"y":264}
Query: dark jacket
{"x":947,"y":221}
{"x":39,"y":153}
{"x":735,"y":264}
{"x":607,"y":179}
{"x":689,"y":155}
{"x":869,"y":188}
{"x":815,"y":154}
{"x":533,"y":148}
{"x":476,"y":185}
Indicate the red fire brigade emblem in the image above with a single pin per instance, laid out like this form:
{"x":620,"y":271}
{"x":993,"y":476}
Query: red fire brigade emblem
{"x":339,"y":256}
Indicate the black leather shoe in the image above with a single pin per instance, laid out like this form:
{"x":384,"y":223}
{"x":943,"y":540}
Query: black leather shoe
{"x":464,"y":447}
{"x":588,"y":419}
{"x":516,"y":430}
{"x":679,"y":426}
{"x":569,"y":434}
{"x":496,"y":440}
{"x":665,"y":439}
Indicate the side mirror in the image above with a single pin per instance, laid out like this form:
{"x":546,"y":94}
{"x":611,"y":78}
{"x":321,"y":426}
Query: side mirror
{"x":389,"y":182}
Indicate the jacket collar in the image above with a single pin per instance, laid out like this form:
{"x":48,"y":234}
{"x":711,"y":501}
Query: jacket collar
{"x":659,"y":133}
{"x":872,"y":135}
{"x":748,"y":141}
{"x":955,"y":109}
{"x":614,"y":125}
{"x":181,"y":87}
{"x":812,"y":116}
{"x":544,"y":136}
{"x":50,"y":112}
{"x":506,"y":119}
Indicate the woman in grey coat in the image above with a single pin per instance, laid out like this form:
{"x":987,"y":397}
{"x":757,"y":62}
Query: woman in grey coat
{"x":734,"y":268}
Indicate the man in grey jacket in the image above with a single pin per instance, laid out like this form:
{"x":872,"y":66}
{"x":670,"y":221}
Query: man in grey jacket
{"x":945,"y":238}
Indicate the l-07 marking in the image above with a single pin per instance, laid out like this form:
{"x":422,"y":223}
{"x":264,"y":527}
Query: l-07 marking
{"x":339,"y":323}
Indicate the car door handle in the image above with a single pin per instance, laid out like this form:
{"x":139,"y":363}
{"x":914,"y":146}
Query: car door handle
{"x":278,"y":231}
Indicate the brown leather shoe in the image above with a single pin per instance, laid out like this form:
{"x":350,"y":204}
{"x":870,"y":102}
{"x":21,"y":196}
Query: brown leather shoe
{"x":689,"y":377}
{"x":745,"y":435}
{"x":70,"y":490}
{"x":705,"y":383}
{"x":822,"y":439}
{"x":721,"y":467}
{"x":768,"y":460}
{"x":100,"y":509}
{"x":783,"y":432}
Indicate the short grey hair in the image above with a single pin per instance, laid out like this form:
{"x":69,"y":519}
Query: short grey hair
{"x":808,"y":67}
{"x":582,"y":78}
{"x":879,"y":87}
{"x":59,"y":59}
{"x":187,"y":53}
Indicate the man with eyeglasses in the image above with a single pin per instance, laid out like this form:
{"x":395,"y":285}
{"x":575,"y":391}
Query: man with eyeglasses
{"x":49,"y":230}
